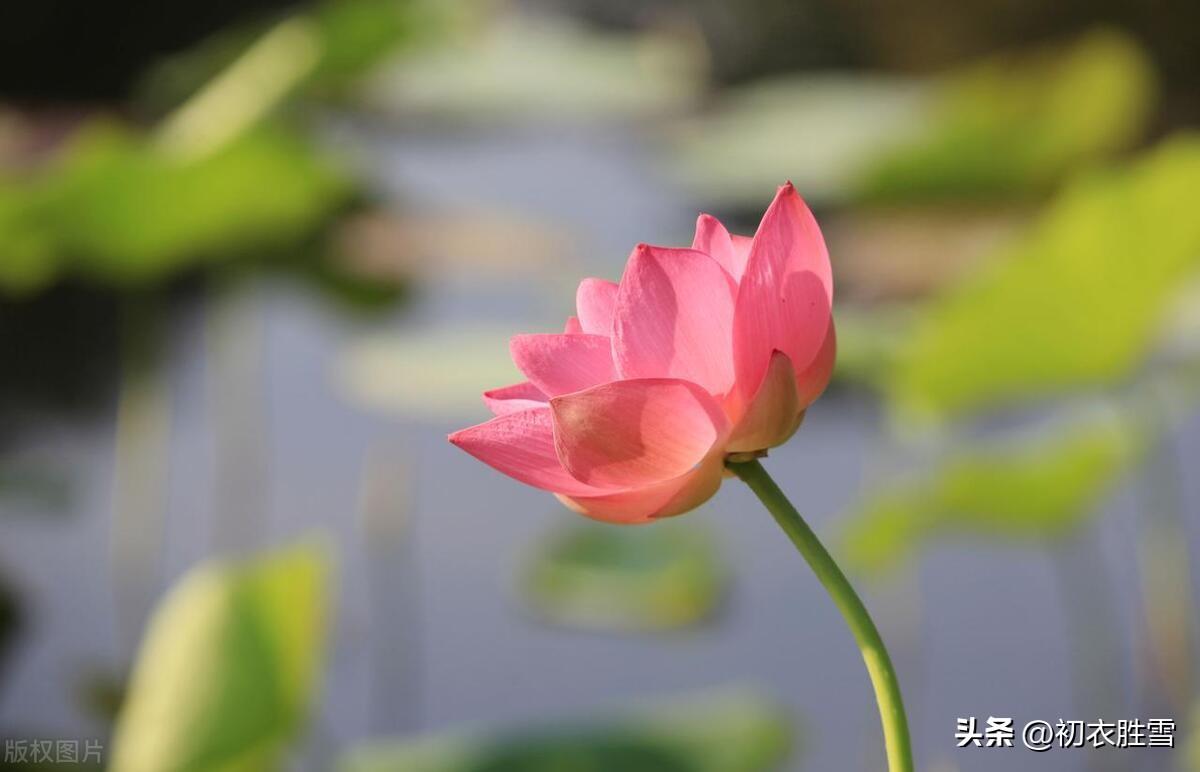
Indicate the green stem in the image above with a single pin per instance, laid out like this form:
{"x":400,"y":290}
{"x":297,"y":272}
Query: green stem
{"x":874,"y":654}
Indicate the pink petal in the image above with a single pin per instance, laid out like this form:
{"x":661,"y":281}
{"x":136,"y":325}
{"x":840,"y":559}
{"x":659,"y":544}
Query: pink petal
{"x":793,"y":318}
{"x":630,"y":434}
{"x":521,"y":445}
{"x":713,"y":240}
{"x":728,"y":250}
{"x":813,"y":379}
{"x":673,"y":318}
{"x":573,"y":326}
{"x":784,"y":298}
{"x":560,"y":364}
{"x":789,"y":240}
{"x":664,"y":499}
{"x":741,"y":253}
{"x":773,"y":414}
{"x":594,"y":301}
{"x":515,"y":398}
{"x":696,"y":487}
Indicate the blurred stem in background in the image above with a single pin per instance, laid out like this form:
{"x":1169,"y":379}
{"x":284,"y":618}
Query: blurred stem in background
{"x":237,"y":404}
{"x":393,"y":578}
{"x":143,"y":433}
{"x":1164,"y":560}
{"x":900,"y":601}
{"x":874,"y":653}
{"x":1086,"y":588}
{"x":243,"y":94}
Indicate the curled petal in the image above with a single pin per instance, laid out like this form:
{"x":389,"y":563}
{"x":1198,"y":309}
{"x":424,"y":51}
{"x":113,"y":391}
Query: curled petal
{"x":630,"y":434}
{"x":521,"y":445}
{"x":786,"y":292}
{"x":560,"y":364}
{"x":594,"y":302}
{"x":814,"y":378}
{"x":573,"y":326}
{"x":773,"y":413}
{"x":515,"y":398}
{"x":673,"y":318}
{"x":792,"y":316}
{"x":664,"y":499}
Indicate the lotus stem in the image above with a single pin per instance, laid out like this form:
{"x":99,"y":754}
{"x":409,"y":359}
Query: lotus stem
{"x":874,"y":653}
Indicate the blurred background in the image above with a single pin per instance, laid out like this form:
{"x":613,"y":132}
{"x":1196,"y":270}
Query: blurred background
{"x":258,"y":258}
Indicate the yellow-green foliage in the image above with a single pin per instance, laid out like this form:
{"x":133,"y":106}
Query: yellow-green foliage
{"x":114,"y":209}
{"x":1028,"y":491}
{"x":590,"y":575}
{"x":1076,"y":302}
{"x":1010,"y":125}
{"x":730,"y":731}
{"x":228,"y":667}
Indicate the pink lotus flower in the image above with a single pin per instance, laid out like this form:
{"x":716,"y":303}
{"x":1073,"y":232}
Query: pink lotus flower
{"x":630,"y":413}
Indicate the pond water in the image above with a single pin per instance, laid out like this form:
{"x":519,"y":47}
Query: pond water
{"x":430,"y":634}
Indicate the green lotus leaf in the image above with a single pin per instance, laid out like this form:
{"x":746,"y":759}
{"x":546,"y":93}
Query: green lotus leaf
{"x":658,"y":577}
{"x":1079,"y":301}
{"x":732,"y":731}
{"x":228,"y":667}
{"x":1017,"y":124}
{"x":1029,"y":491}
{"x":114,"y":209}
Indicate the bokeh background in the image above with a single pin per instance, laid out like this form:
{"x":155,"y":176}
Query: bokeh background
{"x":258,"y":258}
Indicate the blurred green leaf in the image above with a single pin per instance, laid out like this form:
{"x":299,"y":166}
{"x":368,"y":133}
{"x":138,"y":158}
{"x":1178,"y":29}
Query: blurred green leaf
{"x":27,"y":257}
{"x":1017,"y":124}
{"x":428,"y":372}
{"x":1029,"y":491}
{"x":228,"y":667}
{"x":867,"y":339}
{"x":813,"y":130}
{"x":517,"y":67}
{"x":659,"y":577}
{"x":349,"y":290}
{"x":351,"y":38}
{"x":722,"y":732}
{"x":130,"y":213}
{"x":115,"y":210}
{"x":1079,"y":300}
{"x":357,"y":35}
